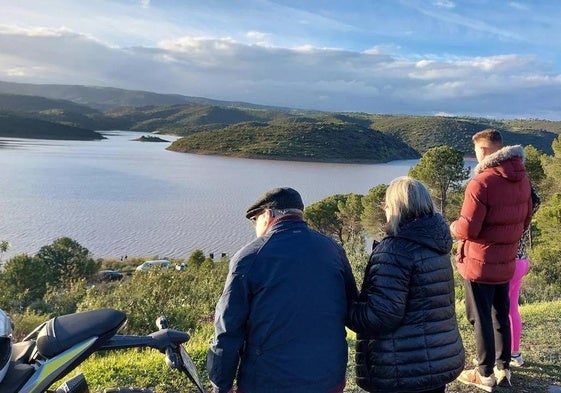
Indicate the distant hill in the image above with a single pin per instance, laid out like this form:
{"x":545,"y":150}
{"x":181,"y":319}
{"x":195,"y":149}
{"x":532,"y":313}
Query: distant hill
{"x":16,"y":126}
{"x":34,"y":104}
{"x":107,"y":98}
{"x":303,"y":142}
{"x":248,"y":130}
{"x":55,"y":111}
{"x":424,"y":132}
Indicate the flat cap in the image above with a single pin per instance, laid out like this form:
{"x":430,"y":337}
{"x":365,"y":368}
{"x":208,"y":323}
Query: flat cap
{"x":277,"y":198}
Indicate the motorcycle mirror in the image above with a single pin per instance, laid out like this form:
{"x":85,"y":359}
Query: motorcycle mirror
{"x":162,"y":322}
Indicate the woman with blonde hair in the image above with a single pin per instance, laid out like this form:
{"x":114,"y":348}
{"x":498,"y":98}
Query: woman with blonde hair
{"x":407,"y":334}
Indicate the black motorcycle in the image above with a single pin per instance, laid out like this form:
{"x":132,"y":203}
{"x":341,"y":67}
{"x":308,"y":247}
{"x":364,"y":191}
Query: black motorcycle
{"x":58,"y":346}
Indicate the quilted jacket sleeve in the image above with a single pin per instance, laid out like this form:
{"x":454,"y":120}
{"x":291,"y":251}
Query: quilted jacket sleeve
{"x":383,"y":297}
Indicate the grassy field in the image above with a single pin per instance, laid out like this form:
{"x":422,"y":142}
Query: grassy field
{"x":541,"y":347}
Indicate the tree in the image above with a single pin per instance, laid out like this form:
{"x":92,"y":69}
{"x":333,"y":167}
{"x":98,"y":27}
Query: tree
{"x":350,"y":211}
{"x":373,"y":217}
{"x":66,"y":260}
{"x":4,"y":245}
{"x":339,"y":216}
{"x":196,"y":258}
{"x":323,"y":216}
{"x":552,"y":168}
{"x":534,"y":165}
{"x":23,"y":281}
{"x":442,"y":169}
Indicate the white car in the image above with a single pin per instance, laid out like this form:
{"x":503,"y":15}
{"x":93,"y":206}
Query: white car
{"x":160,"y":263}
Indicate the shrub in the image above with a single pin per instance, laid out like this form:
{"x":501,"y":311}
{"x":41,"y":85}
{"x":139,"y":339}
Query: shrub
{"x":187,"y":298}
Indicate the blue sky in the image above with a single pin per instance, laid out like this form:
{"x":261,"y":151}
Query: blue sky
{"x":489,"y":58}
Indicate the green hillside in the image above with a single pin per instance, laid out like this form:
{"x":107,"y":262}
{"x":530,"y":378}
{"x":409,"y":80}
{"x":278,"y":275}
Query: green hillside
{"x":300,"y":141}
{"x":185,"y":119}
{"x":55,"y":111}
{"x":16,"y":126}
{"x":424,"y":132}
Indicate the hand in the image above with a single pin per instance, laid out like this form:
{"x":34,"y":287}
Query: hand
{"x":453,"y":229}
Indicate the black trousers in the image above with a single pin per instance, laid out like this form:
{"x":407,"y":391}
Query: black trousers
{"x":487,"y":308}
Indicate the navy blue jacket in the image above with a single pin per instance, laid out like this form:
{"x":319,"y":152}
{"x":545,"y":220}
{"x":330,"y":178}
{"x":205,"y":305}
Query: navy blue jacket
{"x":407,"y":333}
{"x":280,"y":322}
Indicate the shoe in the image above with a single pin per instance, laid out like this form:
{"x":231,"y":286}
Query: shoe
{"x":502,"y":377}
{"x":473,"y":378}
{"x":516,"y":361}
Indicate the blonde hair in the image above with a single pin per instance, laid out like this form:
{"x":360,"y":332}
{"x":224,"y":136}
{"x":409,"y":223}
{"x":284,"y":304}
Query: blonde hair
{"x":406,"y":200}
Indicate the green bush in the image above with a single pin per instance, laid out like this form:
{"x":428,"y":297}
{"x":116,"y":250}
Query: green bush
{"x":186,"y":298}
{"x":26,"y":322}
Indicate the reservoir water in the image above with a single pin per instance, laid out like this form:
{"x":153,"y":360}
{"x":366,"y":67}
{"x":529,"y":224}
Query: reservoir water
{"x":122,"y":197}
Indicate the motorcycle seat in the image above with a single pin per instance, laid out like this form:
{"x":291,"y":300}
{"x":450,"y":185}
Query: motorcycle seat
{"x":22,"y":350}
{"x":63,"y":332}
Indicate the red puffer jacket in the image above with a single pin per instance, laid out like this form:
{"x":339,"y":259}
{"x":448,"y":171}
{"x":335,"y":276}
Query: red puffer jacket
{"x":497,"y":207}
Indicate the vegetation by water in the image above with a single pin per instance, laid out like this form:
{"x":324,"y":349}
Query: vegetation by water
{"x":14,"y":126}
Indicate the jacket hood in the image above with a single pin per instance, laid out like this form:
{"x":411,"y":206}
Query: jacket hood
{"x":431,"y":231}
{"x":508,"y":162}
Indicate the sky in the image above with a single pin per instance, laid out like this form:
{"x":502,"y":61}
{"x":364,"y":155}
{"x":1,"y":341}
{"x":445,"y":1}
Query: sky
{"x":485,"y":58}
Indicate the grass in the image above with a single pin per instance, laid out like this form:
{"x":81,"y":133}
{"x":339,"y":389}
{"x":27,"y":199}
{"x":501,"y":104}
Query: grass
{"x":541,"y":346}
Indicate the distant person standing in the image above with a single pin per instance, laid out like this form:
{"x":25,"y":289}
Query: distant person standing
{"x":522,"y":267}
{"x":280,"y":322}
{"x":497,"y":207}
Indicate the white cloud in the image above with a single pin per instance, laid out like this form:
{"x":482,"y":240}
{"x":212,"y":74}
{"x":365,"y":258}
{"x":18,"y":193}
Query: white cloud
{"x":259,"y":38}
{"x":445,"y":4}
{"x":308,"y":77}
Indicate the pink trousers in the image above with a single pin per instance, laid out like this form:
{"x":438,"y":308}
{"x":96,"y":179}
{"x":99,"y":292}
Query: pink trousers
{"x":522,"y":267}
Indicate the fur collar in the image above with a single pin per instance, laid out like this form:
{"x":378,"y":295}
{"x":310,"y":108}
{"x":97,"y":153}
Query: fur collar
{"x":499,"y":156}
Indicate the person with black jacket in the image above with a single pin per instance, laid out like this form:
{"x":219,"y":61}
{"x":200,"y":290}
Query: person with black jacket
{"x":407,"y":334}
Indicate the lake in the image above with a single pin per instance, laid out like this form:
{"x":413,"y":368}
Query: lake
{"x":122,"y":197}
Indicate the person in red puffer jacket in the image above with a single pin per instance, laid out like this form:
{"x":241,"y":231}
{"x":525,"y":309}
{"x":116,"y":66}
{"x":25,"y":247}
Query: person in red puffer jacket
{"x":497,"y":207}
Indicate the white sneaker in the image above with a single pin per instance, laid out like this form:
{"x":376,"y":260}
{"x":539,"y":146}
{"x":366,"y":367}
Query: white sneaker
{"x":516,"y":361}
{"x":472,"y":377}
{"x":502,"y":376}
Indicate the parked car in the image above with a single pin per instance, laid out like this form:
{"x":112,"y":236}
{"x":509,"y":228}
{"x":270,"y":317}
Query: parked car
{"x":160,"y":263}
{"x":109,"y":275}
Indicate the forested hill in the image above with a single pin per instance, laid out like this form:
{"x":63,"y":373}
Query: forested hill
{"x":15,"y":126}
{"x":304,"y":142}
{"x":424,"y":132}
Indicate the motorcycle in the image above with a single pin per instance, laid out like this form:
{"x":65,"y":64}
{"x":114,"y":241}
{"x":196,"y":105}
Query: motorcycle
{"x":56,"y":347}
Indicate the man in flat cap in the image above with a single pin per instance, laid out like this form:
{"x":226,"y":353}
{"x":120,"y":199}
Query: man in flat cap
{"x":280,"y":322}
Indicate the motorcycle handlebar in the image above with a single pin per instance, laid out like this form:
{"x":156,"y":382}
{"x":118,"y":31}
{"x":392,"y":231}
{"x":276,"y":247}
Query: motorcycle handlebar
{"x":160,"y":340}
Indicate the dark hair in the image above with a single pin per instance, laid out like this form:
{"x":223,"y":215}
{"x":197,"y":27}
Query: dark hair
{"x":490,"y":135}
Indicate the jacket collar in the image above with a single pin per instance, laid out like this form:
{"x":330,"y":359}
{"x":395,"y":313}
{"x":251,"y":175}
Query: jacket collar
{"x":499,"y":156}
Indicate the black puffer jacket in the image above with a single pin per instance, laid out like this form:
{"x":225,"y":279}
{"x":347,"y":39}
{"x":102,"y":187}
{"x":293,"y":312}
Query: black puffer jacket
{"x":408,"y":338}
